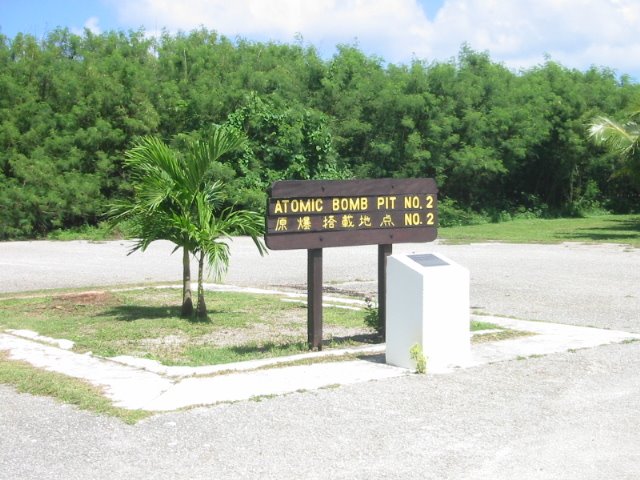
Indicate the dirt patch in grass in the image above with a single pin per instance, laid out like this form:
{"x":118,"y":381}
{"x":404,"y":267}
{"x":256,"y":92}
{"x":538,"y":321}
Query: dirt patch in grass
{"x":93,"y":298}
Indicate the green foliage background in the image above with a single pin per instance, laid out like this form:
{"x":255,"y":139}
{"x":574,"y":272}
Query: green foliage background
{"x":499,"y":143}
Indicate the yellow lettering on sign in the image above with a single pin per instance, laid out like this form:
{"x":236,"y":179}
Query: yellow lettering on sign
{"x":386,"y":203}
{"x":281,"y":225}
{"x":387,"y":221}
{"x":430,"y":219}
{"x":329,"y":222}
{"x":365,"y":221}
{"x":304,"y":223}
{"x":412,"y":202}
{"x":412,"y":219}
{"x":347,"y":221}
{"x":350,"y":204}
{"x":281,"y":206}
{"x":307,"y":205}
{"x":429,"y":201}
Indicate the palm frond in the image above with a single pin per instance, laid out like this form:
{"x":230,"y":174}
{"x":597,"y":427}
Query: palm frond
{"x":214,"y":194}
{"x":217,"y":257}
{"x":619,"y":137}
{"x":151,"y":156}
{"x":204,"y":154}
{"x":224,"y":140}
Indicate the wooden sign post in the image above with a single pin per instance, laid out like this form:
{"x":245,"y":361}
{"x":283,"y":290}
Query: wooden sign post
{"x":314,"y":214}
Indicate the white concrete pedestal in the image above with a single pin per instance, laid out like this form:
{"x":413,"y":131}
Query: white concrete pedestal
{"x":427,"y":304}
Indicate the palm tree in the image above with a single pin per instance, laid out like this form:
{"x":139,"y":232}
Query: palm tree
{"x":212,"y":232}
{"x":175,"y":198}
{"x":623,"y":139}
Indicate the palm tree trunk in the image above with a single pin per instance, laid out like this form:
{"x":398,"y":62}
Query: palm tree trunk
{"x":201,"y":309}
{"x":187,"y":302}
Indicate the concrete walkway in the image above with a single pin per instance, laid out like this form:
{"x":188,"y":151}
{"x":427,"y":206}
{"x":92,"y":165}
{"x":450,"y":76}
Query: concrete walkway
{"x":134,"y":383}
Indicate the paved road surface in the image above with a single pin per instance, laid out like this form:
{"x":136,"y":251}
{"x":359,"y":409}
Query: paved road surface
{"x":595,"y":285}
{"x":566,"y":416}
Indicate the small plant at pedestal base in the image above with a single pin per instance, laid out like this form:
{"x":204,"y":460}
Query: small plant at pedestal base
{"x":417,"y":355}
{"x":372,"y":317}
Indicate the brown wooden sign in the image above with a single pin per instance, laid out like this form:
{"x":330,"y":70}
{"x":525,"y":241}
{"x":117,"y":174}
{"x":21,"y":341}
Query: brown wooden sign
{"x":310,"y":214}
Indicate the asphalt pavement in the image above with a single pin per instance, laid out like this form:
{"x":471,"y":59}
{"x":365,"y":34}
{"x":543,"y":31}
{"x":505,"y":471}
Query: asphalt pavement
{"x":572,"y":415}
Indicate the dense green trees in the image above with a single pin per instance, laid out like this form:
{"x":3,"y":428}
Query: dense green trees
{"x":496,"y":141}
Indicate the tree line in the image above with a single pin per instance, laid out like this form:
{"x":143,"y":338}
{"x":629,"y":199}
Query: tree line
{"x":499,"y":143}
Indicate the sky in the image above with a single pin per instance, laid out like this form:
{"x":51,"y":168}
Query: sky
{"x":520,"y":34}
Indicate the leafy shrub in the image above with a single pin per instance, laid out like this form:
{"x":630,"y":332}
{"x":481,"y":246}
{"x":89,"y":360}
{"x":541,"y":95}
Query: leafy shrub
{"x":417,"y":355}
{"x":588,"y":203}
{"x":102,"y":231}
{"x":450,"y":214}
{"x":372,"y":317}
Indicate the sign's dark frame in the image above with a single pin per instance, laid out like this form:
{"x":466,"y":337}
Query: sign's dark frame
{"x":315,"y":241}
{"x":327,"y":189}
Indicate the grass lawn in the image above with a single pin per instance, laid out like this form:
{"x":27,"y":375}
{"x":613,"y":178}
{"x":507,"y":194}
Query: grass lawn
{"x":623,"y":229}
{"x":146,"y":323}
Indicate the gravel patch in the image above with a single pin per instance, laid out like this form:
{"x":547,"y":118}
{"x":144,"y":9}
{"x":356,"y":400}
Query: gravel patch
{"x":564,"y":416}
